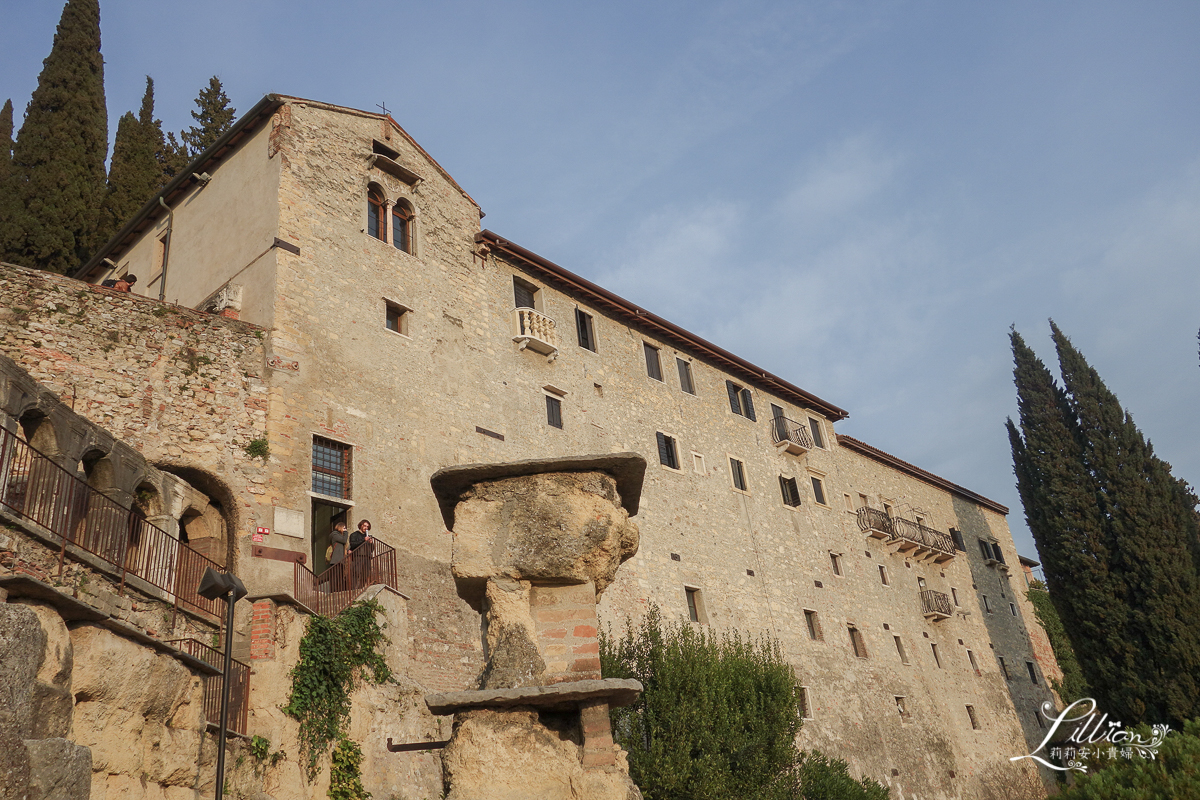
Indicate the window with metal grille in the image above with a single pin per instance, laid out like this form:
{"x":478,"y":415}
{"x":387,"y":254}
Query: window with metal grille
{"x":818,"y":489}
{"x":331,"y":468}
{"x":856,"y":642}
{"x":738,"y":473}
{"x":790,"y":491}
{"x":740,"y":402}
{"x":813,"y":621}
{"x":668,"y":456}
{"x":685,"y":376}
{"x":653,"y":366}
{"x":554,"y":412}
{"x":585,"y":330}
{"x":814,"y":425}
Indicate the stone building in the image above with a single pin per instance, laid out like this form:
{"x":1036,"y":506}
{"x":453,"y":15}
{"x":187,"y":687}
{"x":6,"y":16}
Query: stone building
{"x":396,"y":337}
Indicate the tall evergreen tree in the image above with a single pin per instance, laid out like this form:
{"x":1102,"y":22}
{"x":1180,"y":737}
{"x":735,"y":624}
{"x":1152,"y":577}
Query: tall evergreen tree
{"x":10,"y":206}
{"x":136,"y":172}
{"x":215,"y":116}
{"x":1151,"y":516}
{"x":1117,"y":536}
{"x":59,"y":153}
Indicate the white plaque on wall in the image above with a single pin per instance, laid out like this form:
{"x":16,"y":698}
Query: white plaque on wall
{"x":289,"y":522}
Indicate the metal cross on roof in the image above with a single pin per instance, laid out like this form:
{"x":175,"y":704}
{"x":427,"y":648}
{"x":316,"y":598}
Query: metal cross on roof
{"x":383,"y":105}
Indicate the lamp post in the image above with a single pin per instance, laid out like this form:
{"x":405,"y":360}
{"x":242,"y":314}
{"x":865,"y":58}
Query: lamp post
{"x":223,"y":586}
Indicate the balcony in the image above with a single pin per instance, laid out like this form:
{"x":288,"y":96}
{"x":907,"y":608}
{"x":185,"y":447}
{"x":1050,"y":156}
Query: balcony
{"x":791,"y":436}
{"x":335,"y":589}
{"x":916,"y":540}
{"x":875,"y":523}
{"x":935,"y":605}
{"x":534,"y":331}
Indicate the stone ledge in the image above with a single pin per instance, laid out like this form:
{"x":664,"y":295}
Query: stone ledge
{"x":614,"y":691}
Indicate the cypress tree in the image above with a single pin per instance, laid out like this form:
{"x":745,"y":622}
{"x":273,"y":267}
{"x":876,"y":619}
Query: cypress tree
{"x":10,"y":207}
{"x":136,"y":173}
{"x":214,"y":115}
{"x":1152,"y":523}
{"x":1060,"y":499}
{"x":60,"y":151}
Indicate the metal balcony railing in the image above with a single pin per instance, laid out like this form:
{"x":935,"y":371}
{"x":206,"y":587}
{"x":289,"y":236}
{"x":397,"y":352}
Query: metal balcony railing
{"x":239,"y":684}
{"x":923,"y":541}
{"x":791,"y":436}
{"x":535,"y":331}
{"x":935,"y":604}
{"x":34,"y":487}
{"x":875,"y":523}
{"x":332,"y":592}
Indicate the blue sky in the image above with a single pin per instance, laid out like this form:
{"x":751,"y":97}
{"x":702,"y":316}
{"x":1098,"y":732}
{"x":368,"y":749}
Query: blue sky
{"x":860,"y":197}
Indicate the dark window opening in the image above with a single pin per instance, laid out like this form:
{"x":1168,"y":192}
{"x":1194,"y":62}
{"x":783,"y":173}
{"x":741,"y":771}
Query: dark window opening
{"x":818,"y":490}
{"x":685,"y":376}
{"x":790,"y":491}
{"x":814,"y":625}
{"x":653,"y":366}
{"x":738,"y":474}
{"x":375,"y":211}
{"x":402,"y":227}
{"x":740,"y":401}
{"x":814,"y":425}
{"x":585,"y":330}
{"x":554,"y":412}
{"x":668,"y":456}
{"x":524,"y":294}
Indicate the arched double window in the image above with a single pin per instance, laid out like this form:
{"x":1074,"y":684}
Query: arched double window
{"x":402,"y":217}
{"x":376,"y":213}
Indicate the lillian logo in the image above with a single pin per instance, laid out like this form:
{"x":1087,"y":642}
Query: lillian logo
{"x":1094,"y":736}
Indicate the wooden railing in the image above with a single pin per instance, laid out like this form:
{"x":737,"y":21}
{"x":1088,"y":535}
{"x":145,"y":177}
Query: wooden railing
{"x":34,"y":487}
{"x":935,"y":604}
{"x":792,"y":435}
{"x":331,"y":592}
{"x":534,"y":330}
{"x":239,"y":684}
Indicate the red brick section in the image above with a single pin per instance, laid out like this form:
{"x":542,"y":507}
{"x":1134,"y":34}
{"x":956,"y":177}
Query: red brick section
{"x":262,"y":630}
{"x":565,"y":618}
{"x":597,"y":735}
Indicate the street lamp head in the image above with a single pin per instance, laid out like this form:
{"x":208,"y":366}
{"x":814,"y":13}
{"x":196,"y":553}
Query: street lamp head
{"x":221,"y":586}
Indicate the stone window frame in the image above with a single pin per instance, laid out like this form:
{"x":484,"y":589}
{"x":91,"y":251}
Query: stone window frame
{"x":973,"y":662}
{"x":554,"y":407}
{"x":653,"y":356}
{"x":403,"y":317}
{"x":674,"y":447}
{"x":585,"y":330}
{"x":731,"y":460}
{"x":789,"y":489}
{"x":900,"y":651}
{"x":698,"y":463}
{"x":816,"y":425}
{"x":884,"y":578}
{"x":812,"y":624}
{"x":815,"y":478}
{"x":684,"y":367}
{"x":347,"y":474}
{"x":858,"y":644}
{"x":388,"y":205}
{"x":694,"y":597}
{"x":937,"y":657}
{"x":837,"y":564}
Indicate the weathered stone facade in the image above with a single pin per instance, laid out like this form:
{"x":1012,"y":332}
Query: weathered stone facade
{"x":416,"y":360}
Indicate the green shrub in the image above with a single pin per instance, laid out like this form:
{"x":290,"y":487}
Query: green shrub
{"x":1174,"y":774}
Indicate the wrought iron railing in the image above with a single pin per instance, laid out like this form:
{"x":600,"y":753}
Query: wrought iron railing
{"x":34,"y":487}
{"x":784,"y":430}
{"x":923,"y":537}
{"x":872,"y":519}
{"x":239,"y":684}
{"x":534,"y":330}
{"x":331,"y":592}
{"x":935,"y":602}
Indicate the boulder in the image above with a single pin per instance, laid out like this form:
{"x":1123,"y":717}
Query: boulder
{"x":59,"y":770}
{"x":22,"y":646}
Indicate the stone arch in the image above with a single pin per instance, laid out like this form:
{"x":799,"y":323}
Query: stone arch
{"x":217,"y":521}
{"x":38,"y":430}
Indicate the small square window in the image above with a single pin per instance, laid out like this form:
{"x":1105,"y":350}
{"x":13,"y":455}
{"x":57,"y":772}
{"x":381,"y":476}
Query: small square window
{"x":856,"y":642}
{"x":554,"y":412}
{"x":668,"y":455}
{"x":814,"y":425}
{"x":835,"y":560}
{"x":813,"y":622}
{"x":790,"y":491}
{"x":738,"y":473}
{"x":740,"y":401}
{"x":883,"y":575}
{"x":585,"y":330}
{"x":685,"y":376}
{"x":818,"y":490}
{"x":900,"y":650}
{"x":695,"y":603}
{"x":802,"y":702}
{"x":396,"y":317}
{"x":653,"y":366}
{"x":972,"y":717}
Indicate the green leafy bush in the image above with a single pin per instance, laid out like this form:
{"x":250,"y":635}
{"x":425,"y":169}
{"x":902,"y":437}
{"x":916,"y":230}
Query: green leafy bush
{"x":345,"y":772}
{"x":718,"y":718}
{"x":1173,"y":775}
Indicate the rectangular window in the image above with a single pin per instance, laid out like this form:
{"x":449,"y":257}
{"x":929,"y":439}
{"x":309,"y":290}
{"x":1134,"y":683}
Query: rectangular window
{"x":685,"y":376}
{"x":740,"y":402}
{"x":883,"y":576}
{"x":331,"y":468}
{"x":971,"y":658}
{"x":1013,"y":608}
{"x":856,"y":643}
{"x":836,"y":561}
{"x":554,"y":412}
{"x":1003,"y":668}
{"x":585,"y":330}
{"x":863,"y":502}
{"x":653,"y":367}
{"x":972,"y":717}
{"x":814,"y":625}
{"x":986,"y":549}
{"x":738,"y":473}
{"x":936,"y":658}
{"x":848,"y":500}
{"x":396,"y":318}
{"x":1032,"y":671}
{"x":698,"y":463}
{"x":818,"y":490}
{"x":668,"y":456}
{"x":900,"y":650}
{"x":790,"y":491}
{"x":814,"y":425}
{"x":987,"y":608}
{"x":954,"y":595}
{"x":901,"y":706}
{"x":802,"y":702}
{"x":695,"y":605}
{"x":524,"y":294}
